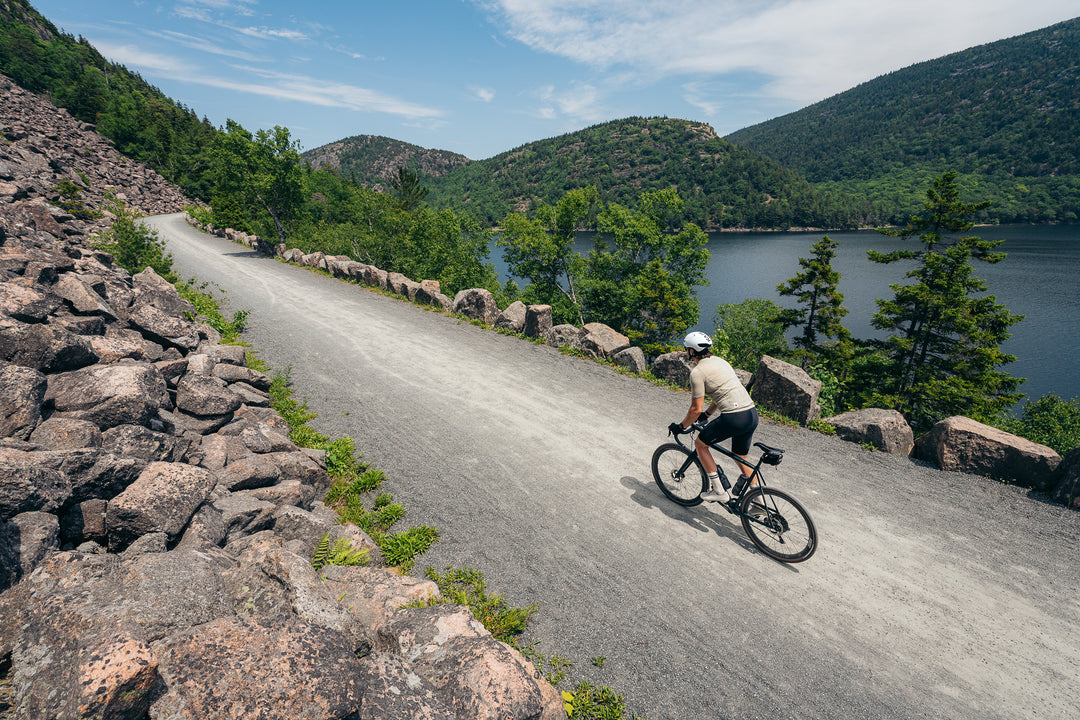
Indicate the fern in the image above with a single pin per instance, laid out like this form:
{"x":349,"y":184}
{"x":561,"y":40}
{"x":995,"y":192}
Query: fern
{"x":341,"y":552}
{"x":321,"y":558}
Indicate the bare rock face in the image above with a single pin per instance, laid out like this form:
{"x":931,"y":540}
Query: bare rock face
{"x":1067,"y":490}
{"x":632,"y":358}
{"x":267,"y":666}
{"x":28,"y":485}
{"x":478,"y":304}
{"x":600,"y":341}
{"x":472,"y":673}
{"x":786,"y":389}
{"x":884,"y":429}
{"x":963,"y":444}
{"x":537,"y":321}
{"x":162,"y":499}
{"x":109,"y":395}
{"x":48,"y":348}
{"x":513,"y":317}
{"x":564,"y":335}
{"x":22,"y":391}
{"x":674,"y":367}
{"x":203,"y":395}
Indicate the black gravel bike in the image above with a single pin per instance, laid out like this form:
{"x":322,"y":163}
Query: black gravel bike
{"x":773,"y":520}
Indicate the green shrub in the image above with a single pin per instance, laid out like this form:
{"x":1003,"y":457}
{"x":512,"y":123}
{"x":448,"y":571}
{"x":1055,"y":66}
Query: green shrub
{"x":402,"y":548}
{"x":1049,"y":421}
{"x":134,"y":246}
{"x":465,"y":586}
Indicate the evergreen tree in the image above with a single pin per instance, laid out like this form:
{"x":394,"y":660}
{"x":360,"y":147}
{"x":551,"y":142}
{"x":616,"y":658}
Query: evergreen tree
{"x":822,"y":309}
{"x":944,"y":349}
{"x":407,"y":189}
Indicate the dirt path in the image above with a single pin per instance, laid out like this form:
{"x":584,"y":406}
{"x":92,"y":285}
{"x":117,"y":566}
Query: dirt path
{"x":932,"y":594}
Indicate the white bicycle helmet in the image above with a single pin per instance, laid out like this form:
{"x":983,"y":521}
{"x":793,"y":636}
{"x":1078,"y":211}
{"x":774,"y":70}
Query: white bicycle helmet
{"x":697,"y":341}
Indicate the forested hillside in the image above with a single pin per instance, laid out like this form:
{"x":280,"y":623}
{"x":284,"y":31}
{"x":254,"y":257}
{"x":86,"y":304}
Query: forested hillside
{"x":722,"y":185}
{"x":372,"y":160}
{"x":143,"y":123}
{"x":1005,"y":115}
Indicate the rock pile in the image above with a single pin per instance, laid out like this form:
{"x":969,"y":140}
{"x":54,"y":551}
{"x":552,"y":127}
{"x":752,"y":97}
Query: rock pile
{"x":157,"y":524}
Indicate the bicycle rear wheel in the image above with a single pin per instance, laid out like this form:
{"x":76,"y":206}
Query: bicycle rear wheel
{"x":778,"y":525}
{"x":679,"y":474}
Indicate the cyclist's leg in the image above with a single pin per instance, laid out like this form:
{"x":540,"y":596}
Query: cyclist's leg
{"x":743,"y":425}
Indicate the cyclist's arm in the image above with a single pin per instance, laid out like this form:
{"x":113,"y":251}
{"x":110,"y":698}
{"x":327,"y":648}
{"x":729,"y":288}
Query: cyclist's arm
{"x":696,"y":406}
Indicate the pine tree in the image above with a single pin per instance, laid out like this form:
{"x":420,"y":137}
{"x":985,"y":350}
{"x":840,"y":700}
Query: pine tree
{"x":822,"y":309}
{"x":944,"y":349}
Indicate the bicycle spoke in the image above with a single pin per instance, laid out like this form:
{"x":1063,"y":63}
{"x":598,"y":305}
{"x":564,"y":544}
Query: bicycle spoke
{"x":778,"y":525}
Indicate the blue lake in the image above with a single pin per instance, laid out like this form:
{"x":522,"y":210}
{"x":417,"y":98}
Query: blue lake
{"x":1039,"y":279}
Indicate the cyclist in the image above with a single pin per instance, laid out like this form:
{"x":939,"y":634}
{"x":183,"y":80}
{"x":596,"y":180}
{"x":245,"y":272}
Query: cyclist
{"x":737,"y":417}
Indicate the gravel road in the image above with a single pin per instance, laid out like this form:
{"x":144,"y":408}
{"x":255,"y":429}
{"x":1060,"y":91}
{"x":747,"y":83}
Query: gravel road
{"x":932,"y":594}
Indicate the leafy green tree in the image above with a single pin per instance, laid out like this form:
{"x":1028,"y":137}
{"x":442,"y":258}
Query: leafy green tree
{"x":541,"y":249}
{"x":643,"y":282}
{"x":258,"y":171}
{"x":748,"y":330}
{"x":944,"y":347}
{"x":1049,"y":421}
{"x":407,"y":189}
{"x":822,"y":306}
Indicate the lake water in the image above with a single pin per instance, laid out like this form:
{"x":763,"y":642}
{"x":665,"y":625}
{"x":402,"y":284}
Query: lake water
{"x":1039,"y":279}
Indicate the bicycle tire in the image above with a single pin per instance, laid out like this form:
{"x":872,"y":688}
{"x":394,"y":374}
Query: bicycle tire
{"x":781,"y":522}
{"x":684,"y":488}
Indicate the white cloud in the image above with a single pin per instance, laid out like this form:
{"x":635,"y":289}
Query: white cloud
{"x":810,"y":48}
{"x":484,"y":94}
{"x":579,"y":103}
{"x":203,"y":45}
{"x":267,"y":83}
{"x":265,"y":33}
{"x":142,"y":61}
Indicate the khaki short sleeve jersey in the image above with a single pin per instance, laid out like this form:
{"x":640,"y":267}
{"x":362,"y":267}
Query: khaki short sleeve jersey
{"x":714,"y":376}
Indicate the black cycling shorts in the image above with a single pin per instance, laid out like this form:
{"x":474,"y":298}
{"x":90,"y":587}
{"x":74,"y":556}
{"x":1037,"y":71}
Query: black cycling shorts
{"x":739,"y":426}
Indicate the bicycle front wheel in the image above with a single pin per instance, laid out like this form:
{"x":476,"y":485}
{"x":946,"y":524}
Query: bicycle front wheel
{"x":778,"y":525}
{"x":679,"y":474}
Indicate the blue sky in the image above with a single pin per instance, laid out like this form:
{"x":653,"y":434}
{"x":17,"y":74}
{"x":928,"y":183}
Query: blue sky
{"x":480,"y":77}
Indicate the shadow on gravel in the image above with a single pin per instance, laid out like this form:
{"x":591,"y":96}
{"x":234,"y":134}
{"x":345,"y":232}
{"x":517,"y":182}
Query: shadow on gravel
{"x":699,"y":517}
{"x":246,"y":254}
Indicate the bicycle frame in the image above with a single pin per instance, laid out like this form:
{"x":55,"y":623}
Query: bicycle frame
{"x":756,"y":474}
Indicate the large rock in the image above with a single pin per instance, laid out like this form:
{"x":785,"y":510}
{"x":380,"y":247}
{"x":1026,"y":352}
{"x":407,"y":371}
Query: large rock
{"x":537,"y":321}
{"x":81,"y":297}
{"x":66,"y":434}
{"x":965,"y":445}
{"x":673,"y":367}
{"x":513,"y":317}
{"x":22,"y":391}
{"x":600,"y":341}
{"x":27,"y":484}
{"x":478,"y":304}
{"x":473,"y":674}
{"x":631,"y":358}
{"x":26,"y":304}
{"x":48,"y":348}
{"x":202,"y":395}
{"x":266,"y":667}
{"x":564,"y":335}
{"x":151,"y":289}
{"x":162,"y":499}
{"x":884,"y":429}
{"x":164,"y":328}
{"x":787,"y":390}
{"x":1068,"y":484}
{"x":109,"y":395}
